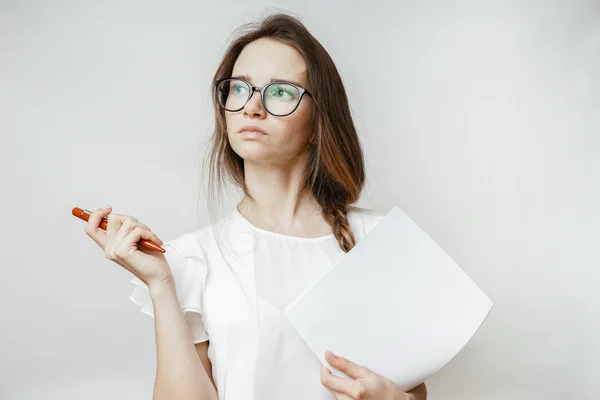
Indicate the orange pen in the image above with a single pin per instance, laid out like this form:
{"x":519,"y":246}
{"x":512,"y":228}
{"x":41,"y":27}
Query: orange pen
{"x":85,"y":215}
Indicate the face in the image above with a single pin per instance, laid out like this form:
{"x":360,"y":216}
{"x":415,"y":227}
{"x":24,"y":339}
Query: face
{"x":286,"y":138}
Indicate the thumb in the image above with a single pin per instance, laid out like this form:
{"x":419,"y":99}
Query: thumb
{"x":353,"y":370}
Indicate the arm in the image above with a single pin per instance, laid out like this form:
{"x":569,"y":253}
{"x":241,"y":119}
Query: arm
{"x":418,"y":393}
{"x":202,"y":350}
{"x":181,"y":371}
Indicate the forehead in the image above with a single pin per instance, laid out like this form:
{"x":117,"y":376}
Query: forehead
{"x":266,"y":58}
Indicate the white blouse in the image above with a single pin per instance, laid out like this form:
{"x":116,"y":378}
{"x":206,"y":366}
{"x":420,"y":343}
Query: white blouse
{"x":236,"y":300}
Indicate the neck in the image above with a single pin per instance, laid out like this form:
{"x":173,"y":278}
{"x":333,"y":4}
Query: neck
{"x":282,"y":204}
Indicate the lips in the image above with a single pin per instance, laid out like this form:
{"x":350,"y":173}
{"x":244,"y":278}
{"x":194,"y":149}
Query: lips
{"x":251,"y":132}
{"x":251,"y":128}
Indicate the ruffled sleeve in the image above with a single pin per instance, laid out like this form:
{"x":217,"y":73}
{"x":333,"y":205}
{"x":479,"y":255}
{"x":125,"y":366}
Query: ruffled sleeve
{"x":188,"y":267}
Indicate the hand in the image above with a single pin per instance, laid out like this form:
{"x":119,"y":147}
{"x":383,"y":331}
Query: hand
{"x":365,"y":385}
{"x":119,"y":243}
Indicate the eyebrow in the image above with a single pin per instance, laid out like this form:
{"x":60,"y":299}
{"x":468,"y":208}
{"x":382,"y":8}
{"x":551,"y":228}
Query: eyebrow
{"x":247,"y":78}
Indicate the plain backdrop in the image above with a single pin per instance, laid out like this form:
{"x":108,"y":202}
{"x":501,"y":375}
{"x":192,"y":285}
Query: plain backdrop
{"x":480,"y":119}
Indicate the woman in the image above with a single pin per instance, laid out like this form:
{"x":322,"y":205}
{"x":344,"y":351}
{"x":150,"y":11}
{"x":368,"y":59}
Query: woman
{"x":217,"y":295}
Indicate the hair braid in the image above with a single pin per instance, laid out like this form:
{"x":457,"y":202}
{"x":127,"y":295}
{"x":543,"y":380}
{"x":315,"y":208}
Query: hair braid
{"x":338,"y":219}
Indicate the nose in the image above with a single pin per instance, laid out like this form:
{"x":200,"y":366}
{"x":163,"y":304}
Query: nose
{"x":254,"y":106}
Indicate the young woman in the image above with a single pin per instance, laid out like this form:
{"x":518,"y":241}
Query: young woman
{"x":285,"y":136}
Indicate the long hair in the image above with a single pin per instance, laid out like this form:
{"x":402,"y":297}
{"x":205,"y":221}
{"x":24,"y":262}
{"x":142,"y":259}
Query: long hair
{"x":334,"y":172}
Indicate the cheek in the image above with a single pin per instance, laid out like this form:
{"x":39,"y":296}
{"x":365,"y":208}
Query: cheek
{"x":231,"y":128}
{"x":228,"y":123}
{"x":298,"y":127}
{"x":294,"y":135}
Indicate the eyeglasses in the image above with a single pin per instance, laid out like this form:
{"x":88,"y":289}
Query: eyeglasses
{"x":278,"y":98}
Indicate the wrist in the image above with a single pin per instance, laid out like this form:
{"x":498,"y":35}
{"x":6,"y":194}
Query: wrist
{"x":158,"y":289}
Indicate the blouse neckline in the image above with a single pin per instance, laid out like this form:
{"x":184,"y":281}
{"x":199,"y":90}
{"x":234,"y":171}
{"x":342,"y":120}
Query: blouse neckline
{"x":280,"y":235}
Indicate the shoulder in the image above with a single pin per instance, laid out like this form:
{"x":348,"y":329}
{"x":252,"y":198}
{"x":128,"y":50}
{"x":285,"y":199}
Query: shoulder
{"x":201,"y":242}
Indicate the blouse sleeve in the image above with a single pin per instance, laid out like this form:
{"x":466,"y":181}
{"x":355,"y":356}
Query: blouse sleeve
{"x":188,"y":267}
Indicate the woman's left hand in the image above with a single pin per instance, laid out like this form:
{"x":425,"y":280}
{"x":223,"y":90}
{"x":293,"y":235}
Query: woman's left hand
{"x":364,"y":385}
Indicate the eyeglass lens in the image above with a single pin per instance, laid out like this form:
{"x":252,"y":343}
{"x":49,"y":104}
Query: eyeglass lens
{"x":279,"y":98}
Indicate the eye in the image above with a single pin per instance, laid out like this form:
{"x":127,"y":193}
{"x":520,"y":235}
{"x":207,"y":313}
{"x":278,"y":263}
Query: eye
{"x":238,"y":89}
{"x":283,"y":91}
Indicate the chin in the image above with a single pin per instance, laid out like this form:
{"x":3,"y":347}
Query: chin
{"x":250,"y":150}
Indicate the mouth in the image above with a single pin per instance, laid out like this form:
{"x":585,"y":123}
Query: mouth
{"x":251,"y":132}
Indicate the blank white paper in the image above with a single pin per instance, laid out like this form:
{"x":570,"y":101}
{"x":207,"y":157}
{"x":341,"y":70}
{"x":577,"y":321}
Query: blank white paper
{"x":396,"y":303}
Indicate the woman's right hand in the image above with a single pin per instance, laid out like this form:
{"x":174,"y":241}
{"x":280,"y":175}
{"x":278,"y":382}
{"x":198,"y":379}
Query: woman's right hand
{"x":119,"y":243}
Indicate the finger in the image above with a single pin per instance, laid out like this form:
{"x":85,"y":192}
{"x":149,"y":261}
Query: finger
{"x":129,"y":244}
{"x":338,"y":395}
{"x":127,"y":226}
{"x":112,"y":226}
{"x":343,"y":364}
{"x":340,"y":388}
{"x":144,"y":226}
{"x":93,"y":229}
{"x":155,"y":238}
{"x":145,"y":234}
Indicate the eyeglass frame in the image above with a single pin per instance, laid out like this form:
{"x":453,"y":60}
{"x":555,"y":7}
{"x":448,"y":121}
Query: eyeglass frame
{"x":261,"y":90}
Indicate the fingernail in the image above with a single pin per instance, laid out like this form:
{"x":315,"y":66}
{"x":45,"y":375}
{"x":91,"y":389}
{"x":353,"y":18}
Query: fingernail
{"x":330,"y":354}
{"x":105,"y":207}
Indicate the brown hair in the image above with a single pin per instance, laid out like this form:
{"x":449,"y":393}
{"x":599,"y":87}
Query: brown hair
{"x":334,"y":171}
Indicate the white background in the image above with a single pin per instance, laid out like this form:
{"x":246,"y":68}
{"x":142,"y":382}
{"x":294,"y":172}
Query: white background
{"x":480,"y":119}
